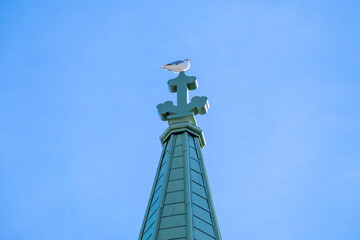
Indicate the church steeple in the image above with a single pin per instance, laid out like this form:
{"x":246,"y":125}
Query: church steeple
{"x":180,"y":204}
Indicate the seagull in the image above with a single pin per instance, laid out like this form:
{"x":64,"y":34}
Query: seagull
{"x":177,"y":66}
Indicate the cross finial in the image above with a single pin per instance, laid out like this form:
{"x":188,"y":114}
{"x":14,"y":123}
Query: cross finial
{"x":184,"y":111}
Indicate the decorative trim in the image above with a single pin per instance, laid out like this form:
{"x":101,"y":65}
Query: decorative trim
{"x":183,"y":127}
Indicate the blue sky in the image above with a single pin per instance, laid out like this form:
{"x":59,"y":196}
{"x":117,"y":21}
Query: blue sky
{"x":79,"y":85}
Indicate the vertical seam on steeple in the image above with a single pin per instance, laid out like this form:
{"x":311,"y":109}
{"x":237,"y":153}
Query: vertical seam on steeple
{"x":187,"y":186}
{"x":164,"y":187}
{"x":208,"y":193}
{"x":153,"y":190}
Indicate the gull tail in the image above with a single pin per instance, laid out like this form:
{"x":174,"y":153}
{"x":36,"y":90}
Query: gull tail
{"x":165,"y":67}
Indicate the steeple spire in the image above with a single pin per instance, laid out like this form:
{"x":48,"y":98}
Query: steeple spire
{"x":180,"y":204}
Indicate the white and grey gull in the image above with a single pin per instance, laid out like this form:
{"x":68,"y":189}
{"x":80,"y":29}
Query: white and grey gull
{"x":177,"y":66}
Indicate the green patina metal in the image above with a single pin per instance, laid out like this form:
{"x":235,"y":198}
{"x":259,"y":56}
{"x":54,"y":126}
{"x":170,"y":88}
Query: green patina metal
{"x":180,"y":204}
{"x":184,"y":111}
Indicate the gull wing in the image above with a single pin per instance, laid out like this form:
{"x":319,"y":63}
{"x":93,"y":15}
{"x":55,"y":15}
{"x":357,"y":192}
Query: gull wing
{"x":175,"y":62}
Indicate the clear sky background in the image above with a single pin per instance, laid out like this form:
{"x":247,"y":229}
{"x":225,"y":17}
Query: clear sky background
{"x":79,"y":85}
